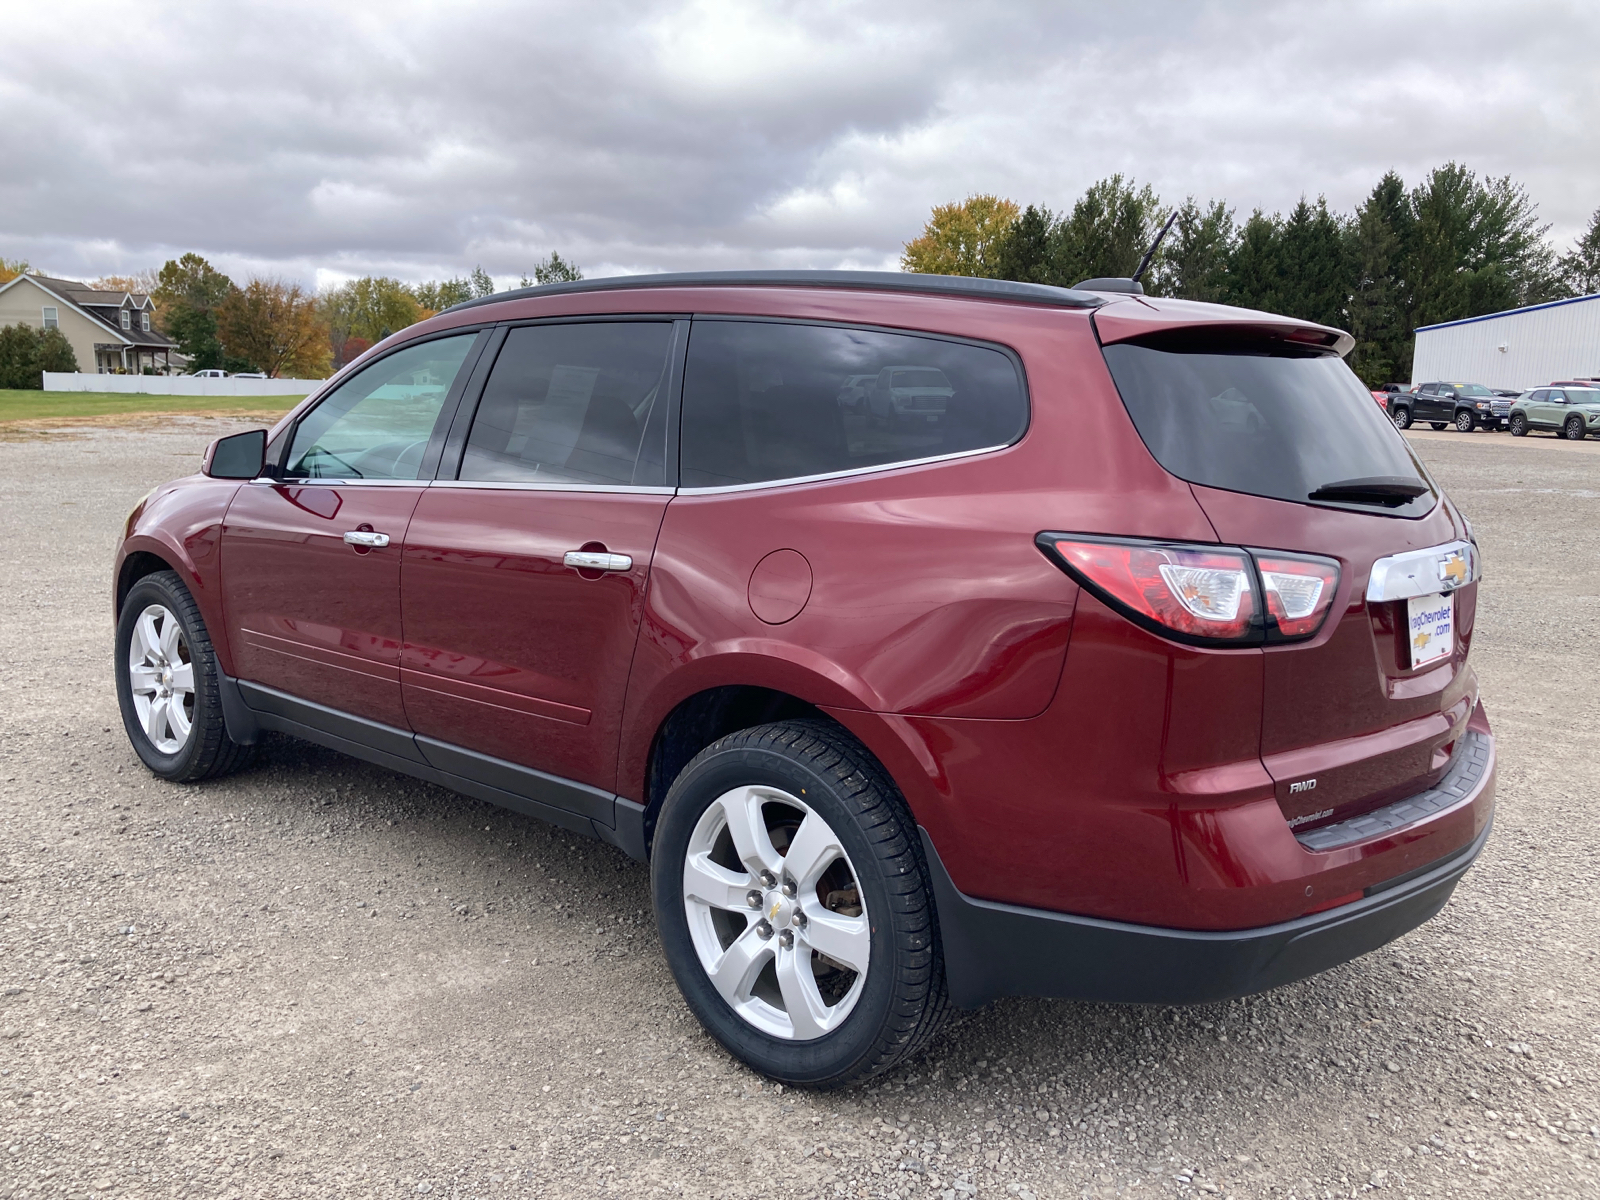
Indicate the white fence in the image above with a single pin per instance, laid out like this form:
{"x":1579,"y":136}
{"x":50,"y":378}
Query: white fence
{"x":177,"y":385}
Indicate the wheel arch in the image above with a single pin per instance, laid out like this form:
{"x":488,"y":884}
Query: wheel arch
{"x":701,"y":719}
{"x":150,"y":552}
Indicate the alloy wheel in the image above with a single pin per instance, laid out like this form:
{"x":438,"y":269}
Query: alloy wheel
{"x":1402,"y":418}
{"x":1464,"y":422}
{"x":1574,"y":430}
{"x":161,"y":679}
{"x":776,"y":913}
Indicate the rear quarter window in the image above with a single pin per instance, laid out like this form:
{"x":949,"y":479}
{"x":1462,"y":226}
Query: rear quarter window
{"x":766,"y":401}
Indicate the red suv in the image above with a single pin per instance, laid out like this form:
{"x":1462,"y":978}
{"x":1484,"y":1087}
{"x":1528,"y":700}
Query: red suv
{"x":932,"y":639}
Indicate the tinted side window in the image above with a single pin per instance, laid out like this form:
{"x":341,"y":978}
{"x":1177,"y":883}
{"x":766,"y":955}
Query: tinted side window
{"x":766,"y":401}
{"x":376,"y":424}
{"x":569,"y":403}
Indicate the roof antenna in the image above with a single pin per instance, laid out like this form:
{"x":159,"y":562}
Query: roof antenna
{"x":1144,"y":262}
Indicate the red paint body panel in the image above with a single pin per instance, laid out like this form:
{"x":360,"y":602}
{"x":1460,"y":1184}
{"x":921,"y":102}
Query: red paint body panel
{"x":508,"y":651}
{"x":181,"y":524}
{"x":308,"y":614}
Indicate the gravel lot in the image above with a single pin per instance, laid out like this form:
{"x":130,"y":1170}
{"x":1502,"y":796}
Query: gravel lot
{"x":316,"y":978}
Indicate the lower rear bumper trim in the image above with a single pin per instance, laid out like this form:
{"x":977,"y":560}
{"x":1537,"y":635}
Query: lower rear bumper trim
{"x":994,"y":950}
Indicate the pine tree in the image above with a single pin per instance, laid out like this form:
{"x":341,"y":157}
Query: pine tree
{"x":1192,"y":263}
{"x":1023,"y":253}
{"x":1255,"y":267}
{"x":1580,"y":270}
{"x":1315,"y":270}
{"x":1377,"y":303}
{"x":1107,"y":232}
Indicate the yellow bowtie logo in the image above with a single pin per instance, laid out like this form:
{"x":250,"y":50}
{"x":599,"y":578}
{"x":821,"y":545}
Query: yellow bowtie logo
{"x":1419,"y":641}
{"x":1453,"y":570}
{"x":773,"y":914}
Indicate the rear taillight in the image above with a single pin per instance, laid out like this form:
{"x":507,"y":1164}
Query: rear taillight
{"x":1204,"y":595}
{"x":1299,"y":591}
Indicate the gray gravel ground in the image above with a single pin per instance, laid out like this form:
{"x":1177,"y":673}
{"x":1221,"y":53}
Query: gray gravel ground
{"x":319,"y":979}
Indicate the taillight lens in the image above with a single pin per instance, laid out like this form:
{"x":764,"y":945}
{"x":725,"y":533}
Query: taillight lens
{"x":1201,"y":593}
{"x":1299,"y":591}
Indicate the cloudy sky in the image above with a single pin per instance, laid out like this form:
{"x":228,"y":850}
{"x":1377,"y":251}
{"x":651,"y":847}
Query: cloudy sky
{"x":321,"y":140}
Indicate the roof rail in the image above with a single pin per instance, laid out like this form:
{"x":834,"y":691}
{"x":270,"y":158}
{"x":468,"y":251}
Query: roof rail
{"x":877,"y":281}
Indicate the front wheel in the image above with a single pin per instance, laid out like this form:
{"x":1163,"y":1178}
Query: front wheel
{"x":168,"y":683}
{"x":794,"y":905}
{"x":1465,"y":422}
{"x":1401,"y":418}
{"x":1519,"y":425}
{"x":1574,"y":429}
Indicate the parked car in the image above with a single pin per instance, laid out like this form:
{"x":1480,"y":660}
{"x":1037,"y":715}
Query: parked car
{"x":1467,"y":406}
{"x":211,"y":373}
{"x":909,"y":393}
{"x":853,"y":392}
{"x":1582,"y":383}
{"x":1140,"y":675}
{"x":1569,"y":412}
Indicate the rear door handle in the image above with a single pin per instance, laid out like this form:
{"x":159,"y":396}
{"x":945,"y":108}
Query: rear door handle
{"x":365,"y":537}
{"x":596,"y":560}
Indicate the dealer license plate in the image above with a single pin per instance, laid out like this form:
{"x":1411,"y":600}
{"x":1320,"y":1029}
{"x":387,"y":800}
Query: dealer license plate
{"x":1432,"y":627}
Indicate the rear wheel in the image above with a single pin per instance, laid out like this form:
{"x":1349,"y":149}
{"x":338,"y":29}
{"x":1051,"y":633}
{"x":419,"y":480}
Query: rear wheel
{"x":1519,"y":425}
{"x":1465,"y":421}
{"x":168,"y":683}
{"x":794,"y":907}
{"x":1574,"y":429}
{"x":1401,"y":418}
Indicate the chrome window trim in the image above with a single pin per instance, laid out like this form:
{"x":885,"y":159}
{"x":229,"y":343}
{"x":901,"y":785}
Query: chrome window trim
{"x":792,"y":481}
{"x":337,"y":481}
{"x":1416,"y":573}
{"x":510,"y":485}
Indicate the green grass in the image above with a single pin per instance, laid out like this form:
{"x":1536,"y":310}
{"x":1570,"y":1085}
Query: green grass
{"x":36,"y":406}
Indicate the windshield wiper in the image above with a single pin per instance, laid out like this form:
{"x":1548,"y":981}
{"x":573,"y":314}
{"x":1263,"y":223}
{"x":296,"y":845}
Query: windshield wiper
{"x":1391,"y":490}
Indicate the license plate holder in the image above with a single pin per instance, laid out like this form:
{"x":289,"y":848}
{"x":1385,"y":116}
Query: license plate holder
{"x":1430,"y":628}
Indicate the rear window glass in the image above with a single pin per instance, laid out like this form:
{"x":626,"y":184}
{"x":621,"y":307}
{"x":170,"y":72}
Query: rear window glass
{"x":765,"y":401}
{"x":1277,"y":425}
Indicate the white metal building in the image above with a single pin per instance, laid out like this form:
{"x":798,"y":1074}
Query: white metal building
{"x":1519,"y":349}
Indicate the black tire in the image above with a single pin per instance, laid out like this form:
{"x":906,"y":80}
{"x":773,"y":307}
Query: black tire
{"x":1465,"y":422}
{"x":902,"y":1000}
{"x":208,"y":751}
{"x":1519,"y":425}
{"x":1401,"y":417}
{"x":1574,"y":429}
{"x":1440,"y":426}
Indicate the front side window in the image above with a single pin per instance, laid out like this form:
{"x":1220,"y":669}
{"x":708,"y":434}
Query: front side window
{"x":52,"y":319}
{"x":376,"y":424}
{"x":571,"y":403}
{"x":766,"y":401}
{"x":1276,"y":423}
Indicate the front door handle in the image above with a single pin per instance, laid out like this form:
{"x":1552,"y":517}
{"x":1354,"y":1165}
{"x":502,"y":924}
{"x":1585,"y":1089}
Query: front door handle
{"x":365,"y":537}
{"x":597,"y":560}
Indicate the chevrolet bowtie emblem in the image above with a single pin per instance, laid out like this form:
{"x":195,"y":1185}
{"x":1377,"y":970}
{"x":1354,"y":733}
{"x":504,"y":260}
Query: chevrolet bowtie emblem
{"x":772,"y":915}
{"x":1453,"y":570}
{"x":1420,"y":640}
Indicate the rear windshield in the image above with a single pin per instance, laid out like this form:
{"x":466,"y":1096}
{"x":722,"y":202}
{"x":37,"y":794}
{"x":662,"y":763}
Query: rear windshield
{"x":1268,"y":424}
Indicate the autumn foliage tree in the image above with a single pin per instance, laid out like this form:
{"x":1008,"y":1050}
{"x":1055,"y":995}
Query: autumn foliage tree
{"x":275,"y":326}
{"x":962,"y":238}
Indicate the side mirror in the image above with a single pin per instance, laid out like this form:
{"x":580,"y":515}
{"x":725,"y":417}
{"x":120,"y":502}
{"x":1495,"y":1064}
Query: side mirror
{"x":238,"y":457}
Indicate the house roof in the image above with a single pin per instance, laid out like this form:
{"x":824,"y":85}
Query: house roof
{"x":101,"y":306}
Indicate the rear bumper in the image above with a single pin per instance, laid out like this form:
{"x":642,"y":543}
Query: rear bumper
{"x":994,"y":950}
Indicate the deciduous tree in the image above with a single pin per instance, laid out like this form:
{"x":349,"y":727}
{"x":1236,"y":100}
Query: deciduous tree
{"x":369,"y":308}
{"x":962,"y":238}
{"x":26,"y":353}
{"x":188,"y":293}
{"x":436,"y":296}
{"x":274,"y":326}
{"x":10,"y":268}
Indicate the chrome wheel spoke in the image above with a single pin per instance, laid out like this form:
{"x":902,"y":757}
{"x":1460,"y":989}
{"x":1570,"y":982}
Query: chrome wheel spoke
{"x":748,"y":829}
{"x":146,"y":639}
{"x":717,"y":886}
{"x":812,"y":851}
{"x":846,"y":940}
{"x":156,"y":723}
{"x":142,"y":679}
{"x":171,"y":637}
{"x":802,"y":1001}
{"x":183,"y":678}
{"x":735,"y":972}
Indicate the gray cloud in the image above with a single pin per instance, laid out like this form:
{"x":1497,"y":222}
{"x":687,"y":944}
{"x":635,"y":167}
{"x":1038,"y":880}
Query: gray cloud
{"x":418,"y":139}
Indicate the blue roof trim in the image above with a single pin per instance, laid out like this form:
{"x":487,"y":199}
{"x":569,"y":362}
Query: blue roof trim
{"x":1510,"y":312}
{"x":879,"y":281}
